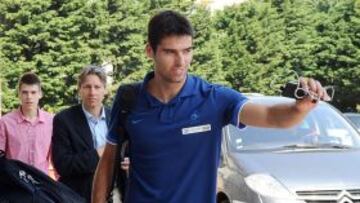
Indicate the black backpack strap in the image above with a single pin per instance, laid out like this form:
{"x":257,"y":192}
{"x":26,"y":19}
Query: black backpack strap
{"x":128,"y":94}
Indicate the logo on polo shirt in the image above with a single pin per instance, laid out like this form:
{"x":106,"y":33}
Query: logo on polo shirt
{"x":136,"y":121}
{"x":195,"y":116}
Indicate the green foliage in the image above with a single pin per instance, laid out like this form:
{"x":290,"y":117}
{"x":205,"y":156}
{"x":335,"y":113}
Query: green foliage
{"x":55,"y":39}
{"x":252,"y":47}
{"x":207,"y":55}
{"x":264,"y":41}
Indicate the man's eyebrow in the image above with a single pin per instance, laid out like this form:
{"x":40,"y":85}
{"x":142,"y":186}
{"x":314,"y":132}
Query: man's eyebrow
{"x":170,"y":49}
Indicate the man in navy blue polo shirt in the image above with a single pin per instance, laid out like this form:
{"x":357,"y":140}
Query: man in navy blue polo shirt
{"x":175,"y":126}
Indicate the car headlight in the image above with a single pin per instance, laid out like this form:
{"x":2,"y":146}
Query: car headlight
{"x":266,"y":185}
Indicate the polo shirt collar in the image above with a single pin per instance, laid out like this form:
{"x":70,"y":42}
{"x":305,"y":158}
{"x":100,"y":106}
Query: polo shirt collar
{"x":21,"y":118}
{"x":187,"y":90}
{"x":41,"y":115}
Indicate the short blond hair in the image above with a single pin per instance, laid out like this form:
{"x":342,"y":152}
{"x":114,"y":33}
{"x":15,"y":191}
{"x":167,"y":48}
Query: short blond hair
{"x":92,"y":70}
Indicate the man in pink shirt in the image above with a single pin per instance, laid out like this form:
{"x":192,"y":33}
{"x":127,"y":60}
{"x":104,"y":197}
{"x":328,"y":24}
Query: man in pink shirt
{"x":25,"y":133}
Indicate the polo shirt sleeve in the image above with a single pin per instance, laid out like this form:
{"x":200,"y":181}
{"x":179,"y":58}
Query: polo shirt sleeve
{"x":113,"y":134}
{"x":233,"y":102}
{"x":2,"y":135}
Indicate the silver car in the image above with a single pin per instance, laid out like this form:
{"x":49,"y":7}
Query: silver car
{"x":316,"y":161}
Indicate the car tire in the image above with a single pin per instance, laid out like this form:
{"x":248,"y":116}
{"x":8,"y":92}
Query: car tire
{"x":224,"y":201}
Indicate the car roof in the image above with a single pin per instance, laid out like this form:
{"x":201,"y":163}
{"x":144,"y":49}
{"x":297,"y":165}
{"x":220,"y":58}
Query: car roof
{"x":272,"y":99}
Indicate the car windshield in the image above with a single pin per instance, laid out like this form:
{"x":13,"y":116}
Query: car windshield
{"x":355,"y":119}
{"x":324,"y":127}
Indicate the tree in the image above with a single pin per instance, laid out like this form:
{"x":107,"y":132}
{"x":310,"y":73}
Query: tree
{"x":252,"y":47}
{"x":56,"y":38}
{"x":265,"y":40}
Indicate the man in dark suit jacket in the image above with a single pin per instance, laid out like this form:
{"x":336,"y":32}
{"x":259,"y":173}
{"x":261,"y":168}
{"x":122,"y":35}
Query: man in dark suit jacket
{"x":79,"y":133}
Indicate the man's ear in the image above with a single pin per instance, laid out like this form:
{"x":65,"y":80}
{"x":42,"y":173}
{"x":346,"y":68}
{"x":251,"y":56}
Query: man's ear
{"x":149,"y":51}
{"x":41,"y":92}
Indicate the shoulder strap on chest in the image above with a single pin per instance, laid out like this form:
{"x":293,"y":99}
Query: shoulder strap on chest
{"x":128,"y":97}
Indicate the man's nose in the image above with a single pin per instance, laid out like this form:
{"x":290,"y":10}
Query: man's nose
{"x":92,"y":90}
{"x":28,"y":95}
{"x":180,"y":59}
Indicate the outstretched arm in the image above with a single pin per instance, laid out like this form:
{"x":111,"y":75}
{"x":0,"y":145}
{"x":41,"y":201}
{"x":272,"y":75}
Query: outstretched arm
{"x":283,"y":115}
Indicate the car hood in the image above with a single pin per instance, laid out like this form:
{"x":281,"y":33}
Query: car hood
{"x":306,"y":169}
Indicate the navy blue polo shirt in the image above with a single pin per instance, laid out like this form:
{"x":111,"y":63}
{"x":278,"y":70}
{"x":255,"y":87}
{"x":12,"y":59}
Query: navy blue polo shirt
{"x":175,"y":147}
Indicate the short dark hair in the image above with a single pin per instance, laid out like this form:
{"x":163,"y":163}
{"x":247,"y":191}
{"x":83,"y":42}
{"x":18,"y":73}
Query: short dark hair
{"x":167,"y":23}
{"x":92,"y":70}
{"x":29,"y":78}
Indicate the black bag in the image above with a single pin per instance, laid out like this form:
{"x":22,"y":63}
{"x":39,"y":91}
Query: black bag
{"x":127,"y":95}
{"x":20,"y":183}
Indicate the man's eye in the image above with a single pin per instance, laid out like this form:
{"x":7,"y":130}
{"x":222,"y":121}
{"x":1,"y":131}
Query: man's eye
{"x":168,"y":52}
{"x":188,"y":50}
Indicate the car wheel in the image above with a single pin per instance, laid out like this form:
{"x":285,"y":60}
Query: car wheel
{"x":224,"y":201}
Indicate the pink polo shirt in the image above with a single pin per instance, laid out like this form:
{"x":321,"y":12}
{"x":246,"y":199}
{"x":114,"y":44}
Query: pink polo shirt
{"x":26,"y":141}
